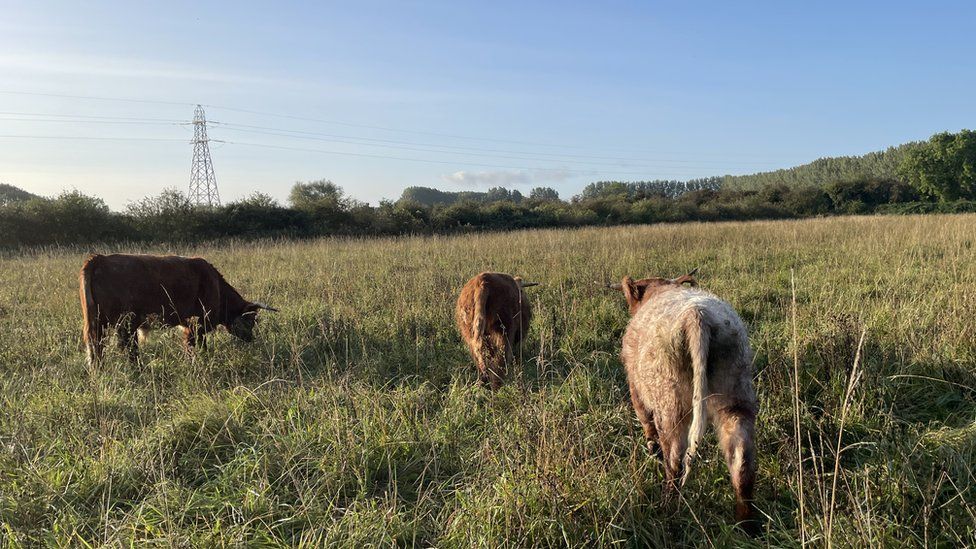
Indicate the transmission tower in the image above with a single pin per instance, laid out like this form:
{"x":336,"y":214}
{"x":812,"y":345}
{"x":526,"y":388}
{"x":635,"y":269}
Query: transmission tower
{"x":203,"y":182}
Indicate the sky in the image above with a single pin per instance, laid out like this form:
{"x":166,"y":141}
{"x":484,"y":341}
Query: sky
{"x":378,"y":96}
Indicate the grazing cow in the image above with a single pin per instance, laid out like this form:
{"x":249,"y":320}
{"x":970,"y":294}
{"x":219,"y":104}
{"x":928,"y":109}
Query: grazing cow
{"x":493,"y":315}
{"x":688,"y":360}
{"x":127,"y":292}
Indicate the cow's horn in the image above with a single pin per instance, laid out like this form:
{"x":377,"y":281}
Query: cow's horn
{"x":609,"y":286}
{"x":528,"y":284}
{"x":694,"y":271}
{"x":260,"y":305}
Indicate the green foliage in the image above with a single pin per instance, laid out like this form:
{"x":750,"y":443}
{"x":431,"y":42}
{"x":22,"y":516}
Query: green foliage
{"x":328,"y":208}
{"x":316,"y":194}
{"x":10,"y":194}
{"x":171,"y":217}
{"x":640,"y":190}
{"x":70,"y":218}
{"x":544,"y":194}
{"x":260,"y":215}
{"x":433,"y":197}
{"x":944,"y":167}
{"x":427,"y":196}
{"x":355,"y":418}
{"x":882,"y":165}
{"x":866,"y":194}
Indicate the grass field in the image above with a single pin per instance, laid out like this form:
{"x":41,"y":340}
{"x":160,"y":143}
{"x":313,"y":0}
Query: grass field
{"x":355,"y":419}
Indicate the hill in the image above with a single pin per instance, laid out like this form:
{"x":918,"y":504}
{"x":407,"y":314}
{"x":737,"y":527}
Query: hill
{"x":880,"y":164}
{"x":10,"y":194}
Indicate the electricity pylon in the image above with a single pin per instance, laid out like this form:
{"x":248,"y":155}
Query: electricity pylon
{"x":203,"y":182}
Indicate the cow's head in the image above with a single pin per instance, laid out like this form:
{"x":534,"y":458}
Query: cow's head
{"x":640,"y":291}
{"x":242,"y":326}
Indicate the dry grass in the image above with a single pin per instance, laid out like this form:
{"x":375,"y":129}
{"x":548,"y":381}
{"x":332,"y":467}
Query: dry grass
{"x":354,"y":421}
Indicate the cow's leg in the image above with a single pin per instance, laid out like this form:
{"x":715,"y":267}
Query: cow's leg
{"x":491,"y":362}
{"x":493,"y":371}
{"x":192,"y":336}
{"x":125,"y":330}
{"x":736,"y":427}
{"x":646,"y":418}
{"x":672,"y":427}
{"x":128,"y":341}
{"x":478,"y":353}
{"x":500,"y":356}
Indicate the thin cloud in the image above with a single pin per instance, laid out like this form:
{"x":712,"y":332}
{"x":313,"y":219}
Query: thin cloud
{"x":111,"y":66}
{"x":117,"y":66}
{"x":505,"y":178}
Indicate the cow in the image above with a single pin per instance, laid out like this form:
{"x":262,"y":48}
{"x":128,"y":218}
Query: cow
{"x":493,"y":315}
{"x":687,"y":357}
{"x":128,"y":292}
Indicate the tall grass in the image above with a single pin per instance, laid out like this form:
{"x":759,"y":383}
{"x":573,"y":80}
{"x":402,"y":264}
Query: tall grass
{"x":355,"y":420}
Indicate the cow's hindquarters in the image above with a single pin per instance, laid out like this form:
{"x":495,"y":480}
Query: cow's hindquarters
{"x":92,"y":329}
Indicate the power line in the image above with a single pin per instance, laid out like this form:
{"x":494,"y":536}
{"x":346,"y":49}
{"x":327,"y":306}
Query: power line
{"x":91,"y":117}
{"x":96,"y":98}
{"x":313,"y":119}
{"x":91,"y":138}
{"x":356,"y":140}
{"x":342,"y":153}
{"x":429,"y":161}
{"x":388,"y":129}
{"x":369,"y":141}
{"x":114,"y":122}
{"x":442,"y":151}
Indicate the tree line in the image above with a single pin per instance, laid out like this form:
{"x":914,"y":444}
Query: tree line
{"x":935,"y":176}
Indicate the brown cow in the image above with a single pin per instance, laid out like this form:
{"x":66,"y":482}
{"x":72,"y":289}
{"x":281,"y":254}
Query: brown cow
{"x":127,"y":292}
{"x":688,"y":360}
{"x":493,"y":315}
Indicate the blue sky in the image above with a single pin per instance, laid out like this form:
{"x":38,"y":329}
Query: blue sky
{"x":377,"y":96}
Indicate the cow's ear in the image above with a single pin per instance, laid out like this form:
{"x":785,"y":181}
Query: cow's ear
{"x":633,"y":291}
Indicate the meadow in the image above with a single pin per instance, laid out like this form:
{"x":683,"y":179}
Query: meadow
{"x":355,"y":419}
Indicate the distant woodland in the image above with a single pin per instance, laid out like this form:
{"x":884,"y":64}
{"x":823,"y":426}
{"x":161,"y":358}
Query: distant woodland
{"x":938,"y":175}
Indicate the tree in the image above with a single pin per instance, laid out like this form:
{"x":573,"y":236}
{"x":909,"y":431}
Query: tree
{"x":315,"y":194}
{"x":10,"y":194}
{"x":260,"y":215}
{"x":171,"y":216}
{"x":327,"y":205}
{"x":501,"y":194}
{"x":944,"y":167}
{"x":544,"y":194}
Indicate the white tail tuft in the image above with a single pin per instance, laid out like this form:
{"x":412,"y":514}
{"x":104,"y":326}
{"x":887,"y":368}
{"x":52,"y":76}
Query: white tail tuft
{"x":697,"y":338}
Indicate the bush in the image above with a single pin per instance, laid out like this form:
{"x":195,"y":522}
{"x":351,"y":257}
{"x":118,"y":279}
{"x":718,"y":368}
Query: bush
{"x":71,"y":218}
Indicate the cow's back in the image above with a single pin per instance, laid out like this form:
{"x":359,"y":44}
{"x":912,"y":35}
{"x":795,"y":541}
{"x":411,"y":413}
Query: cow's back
{"x":655,"y":339}
{"x":168,"y":288}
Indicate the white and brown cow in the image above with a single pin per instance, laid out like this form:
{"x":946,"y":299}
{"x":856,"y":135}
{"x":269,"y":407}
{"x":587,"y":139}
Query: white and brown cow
{"x":688,"y":362}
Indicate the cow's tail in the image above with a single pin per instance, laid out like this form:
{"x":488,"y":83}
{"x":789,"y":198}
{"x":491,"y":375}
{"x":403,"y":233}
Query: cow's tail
{"x":479,"y":324}
{"x":697,"y":337}
{"x":89,"y":310}
{"x":490,"y":345}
